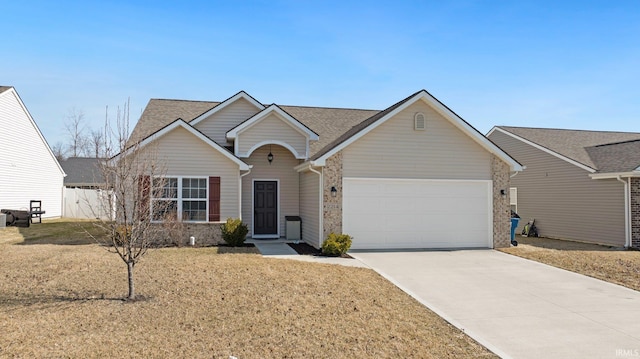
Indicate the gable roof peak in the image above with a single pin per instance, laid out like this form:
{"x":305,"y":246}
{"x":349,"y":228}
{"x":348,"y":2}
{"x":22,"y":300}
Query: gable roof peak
{"x":374,"y":121}
{"x":194,"y":131}
{"x":291,"y":120}
{"x":227,"y":102}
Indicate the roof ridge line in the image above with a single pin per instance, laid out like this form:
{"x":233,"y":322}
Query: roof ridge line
{"x":566,"y":129}
{"x":616,"y":143}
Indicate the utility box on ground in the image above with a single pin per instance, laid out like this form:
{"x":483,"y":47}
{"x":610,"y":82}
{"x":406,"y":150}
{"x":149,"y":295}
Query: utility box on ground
{"x":292,"y":229}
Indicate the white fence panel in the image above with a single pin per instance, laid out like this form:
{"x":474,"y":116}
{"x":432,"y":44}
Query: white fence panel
{"x":86,"y":203}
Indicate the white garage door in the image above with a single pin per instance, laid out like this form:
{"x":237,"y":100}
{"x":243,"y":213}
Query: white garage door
{"x":396,"y":213}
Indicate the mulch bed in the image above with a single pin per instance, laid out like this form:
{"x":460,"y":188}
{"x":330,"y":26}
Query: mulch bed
{"x":243,"y":245}
{"x":305,"y":249}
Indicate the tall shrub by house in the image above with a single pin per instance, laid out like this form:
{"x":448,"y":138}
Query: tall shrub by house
{"x":234,"y":232}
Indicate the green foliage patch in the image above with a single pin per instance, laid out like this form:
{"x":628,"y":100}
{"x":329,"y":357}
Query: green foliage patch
{"x":336,"y":244}
{"x":234,"y":232}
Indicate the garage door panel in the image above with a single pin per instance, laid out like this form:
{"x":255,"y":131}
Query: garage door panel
{"x":391,"y":213}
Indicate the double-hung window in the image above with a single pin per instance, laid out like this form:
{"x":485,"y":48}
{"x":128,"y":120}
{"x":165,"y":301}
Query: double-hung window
{"x":194,"y":199}
{"x":186,"y":196}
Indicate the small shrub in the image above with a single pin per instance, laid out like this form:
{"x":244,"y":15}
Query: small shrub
{"x":234,"y":232}
{"x":336,"y":244}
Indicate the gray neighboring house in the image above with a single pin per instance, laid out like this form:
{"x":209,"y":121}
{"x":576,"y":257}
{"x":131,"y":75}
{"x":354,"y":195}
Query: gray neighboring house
{"x":414,"y":175}
{"x":578,"y":185}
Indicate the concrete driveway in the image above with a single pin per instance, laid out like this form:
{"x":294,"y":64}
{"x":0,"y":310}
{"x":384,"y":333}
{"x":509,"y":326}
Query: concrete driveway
{"x":515,"y":307}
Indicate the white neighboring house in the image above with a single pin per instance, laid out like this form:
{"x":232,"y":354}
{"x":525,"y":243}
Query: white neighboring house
{"x":28,"y":168}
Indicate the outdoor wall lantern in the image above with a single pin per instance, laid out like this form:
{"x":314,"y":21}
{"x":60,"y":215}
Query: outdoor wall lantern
{"x":503,"y":193}
{"x":270,"y":155}
{"x":334,"y":191}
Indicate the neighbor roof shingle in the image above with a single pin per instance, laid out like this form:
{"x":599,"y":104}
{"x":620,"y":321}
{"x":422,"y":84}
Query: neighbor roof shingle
{"x":616,"y":157}
{"x":82,"y":171}
{"x":573,"y":143}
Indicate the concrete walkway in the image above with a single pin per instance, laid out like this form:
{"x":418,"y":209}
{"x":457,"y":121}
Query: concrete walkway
{"x":515,"y":307}
{"x":282,"y":250}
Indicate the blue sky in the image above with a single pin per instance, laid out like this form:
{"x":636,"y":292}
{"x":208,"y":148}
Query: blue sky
{"x":562,"y":64}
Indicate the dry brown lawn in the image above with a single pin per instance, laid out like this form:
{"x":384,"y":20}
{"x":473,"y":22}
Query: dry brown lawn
{"x":610,"y":264}
{"x":61,"y":298}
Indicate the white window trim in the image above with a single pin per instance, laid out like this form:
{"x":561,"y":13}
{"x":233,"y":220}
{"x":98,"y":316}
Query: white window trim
{"x":179,"y":198}
{"x":415,"y":122}
{"x":513,"y":198}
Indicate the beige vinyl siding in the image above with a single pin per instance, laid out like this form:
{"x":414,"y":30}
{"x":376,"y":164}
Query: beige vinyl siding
{"x":217,"y":125}
{"x":28,"y":171}
{"x":280,"y":169}
{"x":565,"y":202}
{"x":395,"y":150}
{"x":183,"y":154}
{"x":271,"y":128}
{"x":310,"y":207}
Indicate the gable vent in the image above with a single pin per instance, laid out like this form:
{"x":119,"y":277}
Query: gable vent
{"x":419,"y":122}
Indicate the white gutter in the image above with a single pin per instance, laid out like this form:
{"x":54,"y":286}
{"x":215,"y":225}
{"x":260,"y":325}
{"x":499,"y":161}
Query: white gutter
{"x":515,"y":173}
{"x":240,"y":191}
{"x":627,"y":210}
{"x":609,"y":175}
{"x":321,"y":205}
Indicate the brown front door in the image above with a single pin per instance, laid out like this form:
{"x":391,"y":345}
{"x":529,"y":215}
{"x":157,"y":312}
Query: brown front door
{"x":265,"y":208}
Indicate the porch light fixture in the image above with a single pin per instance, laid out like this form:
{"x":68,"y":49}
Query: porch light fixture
{"x":503,"y":193}
{"x":270,"y":155}
{"x":334,"y":191}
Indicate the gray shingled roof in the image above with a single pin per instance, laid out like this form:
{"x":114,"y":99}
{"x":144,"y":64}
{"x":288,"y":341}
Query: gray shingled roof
{"x":328,"y":123}
{"x":4,"y":88}
{"x":616,"y":157}
{"x":161,"y":112}
{"x":358,"y":127}
{"x":573,"y":144}
{"x":82,"y":171}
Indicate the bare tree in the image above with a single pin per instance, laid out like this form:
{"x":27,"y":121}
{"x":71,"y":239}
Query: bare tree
{"x":132,"y":179}
{"x":95,"y":144}
{"x":74,"y":125}
{"x":58,"y":151}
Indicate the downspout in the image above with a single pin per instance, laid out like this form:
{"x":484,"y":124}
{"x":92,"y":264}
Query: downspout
{"x":240,"y":191}
{"x":627,"y":209}
{"x":321,"y":209}
{"x":515,"y":173}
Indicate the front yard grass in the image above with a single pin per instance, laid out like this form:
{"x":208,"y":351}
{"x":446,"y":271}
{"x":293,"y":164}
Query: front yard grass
{"x":610,"y":264}
{"x":61,"y":299}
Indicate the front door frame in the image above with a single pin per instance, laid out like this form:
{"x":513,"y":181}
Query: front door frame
{"x":253,"y":204}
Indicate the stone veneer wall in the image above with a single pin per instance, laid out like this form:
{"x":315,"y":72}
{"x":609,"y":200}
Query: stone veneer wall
{"x":332,"y":210}
{"x":635,"y":212}
{"x":501,"y":207}
{"x":206,"y":234}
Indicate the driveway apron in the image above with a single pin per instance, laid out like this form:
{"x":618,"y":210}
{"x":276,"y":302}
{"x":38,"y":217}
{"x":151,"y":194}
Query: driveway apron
{"x":515,"y":307}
